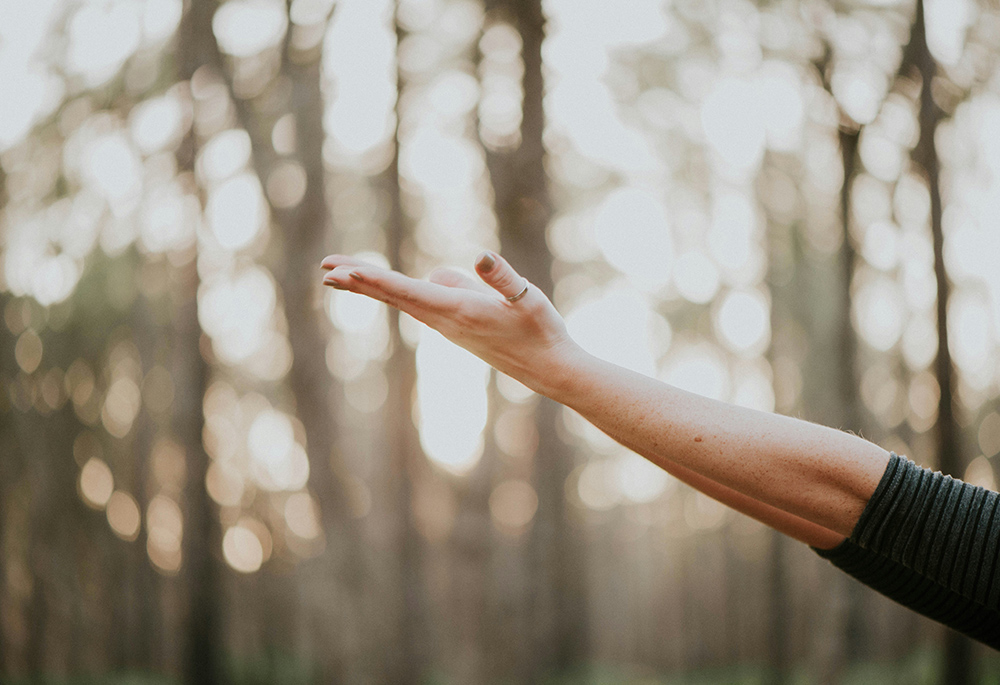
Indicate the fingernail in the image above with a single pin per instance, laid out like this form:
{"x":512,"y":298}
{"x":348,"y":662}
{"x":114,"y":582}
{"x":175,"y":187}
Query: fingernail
{"x":338,"y":286}
{"x":356,"y":276}
{"x":485,"y":261}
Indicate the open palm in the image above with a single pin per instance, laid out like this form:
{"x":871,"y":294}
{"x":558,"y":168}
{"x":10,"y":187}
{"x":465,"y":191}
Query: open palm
{"x":526,"y":339}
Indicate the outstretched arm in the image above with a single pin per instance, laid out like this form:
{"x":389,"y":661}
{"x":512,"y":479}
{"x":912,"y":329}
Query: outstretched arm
{"x":809,"y":481}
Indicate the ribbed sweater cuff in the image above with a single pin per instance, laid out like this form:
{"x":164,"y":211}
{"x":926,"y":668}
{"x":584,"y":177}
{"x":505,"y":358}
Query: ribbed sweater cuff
{"x":930,"y":542}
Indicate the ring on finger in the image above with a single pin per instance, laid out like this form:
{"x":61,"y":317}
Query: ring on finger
{"x":524,"y":291}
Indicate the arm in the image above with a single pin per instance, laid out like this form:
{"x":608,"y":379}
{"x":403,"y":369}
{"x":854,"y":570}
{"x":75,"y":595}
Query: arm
{"x":804,"y":479}
{"x":793,"y":526}
{"x":816,"y":473}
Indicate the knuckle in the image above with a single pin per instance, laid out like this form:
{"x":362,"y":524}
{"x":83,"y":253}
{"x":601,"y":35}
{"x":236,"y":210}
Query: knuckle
{"x":505,"y":279}
{"x":444,"y":276}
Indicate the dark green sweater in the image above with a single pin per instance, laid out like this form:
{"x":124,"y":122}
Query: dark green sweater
{"x":931,"y":543}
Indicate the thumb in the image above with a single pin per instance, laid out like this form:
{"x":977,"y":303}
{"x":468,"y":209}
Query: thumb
{"x":496,"y":272}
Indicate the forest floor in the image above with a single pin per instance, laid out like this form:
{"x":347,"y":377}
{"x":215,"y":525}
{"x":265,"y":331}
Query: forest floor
{"x":918,"y":668}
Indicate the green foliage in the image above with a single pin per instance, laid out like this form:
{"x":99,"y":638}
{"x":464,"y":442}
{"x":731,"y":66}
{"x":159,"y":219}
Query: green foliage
{"x":273,"y":667}
{"x":106,"y":679}
{"x":278,"y":668}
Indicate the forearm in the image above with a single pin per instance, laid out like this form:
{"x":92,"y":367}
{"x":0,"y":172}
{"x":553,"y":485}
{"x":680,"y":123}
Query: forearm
{"x":793,"y":526}
{"x":812,"y":472}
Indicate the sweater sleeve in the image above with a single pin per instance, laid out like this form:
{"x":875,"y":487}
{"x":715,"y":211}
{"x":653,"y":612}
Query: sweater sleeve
{"x":931,"y":543}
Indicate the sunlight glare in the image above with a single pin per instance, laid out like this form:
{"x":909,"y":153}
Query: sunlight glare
{"x":121,"y":405}
{"x":859,"y":88}
{"x":452,"y":403}
{"x":225,"y":154}
{"x":235,"y":311}
{"x":246,"y":27}
{"x":165,"y":529}
{"x":160,"y":19}
{"x":500,"y":73}
{"x":701,"y":512}
{"x":54,"y":279}
{"x":101,"y":37}
{"x":616,"y":327}
{"x":753,"y":387}
{"x":879,"y":312}
{"x":743,"y":322}
{"x":242,"y":549}
{"x":156,"y":123}
{"x":277,"y":459}
{"x":513,"y":504}
{"x":359,"y":60}
{"x":236,"y":212}
{"x":441,"y":164}
{"x":286,"y":185}
{"x":301,"y":516}
{"x":96,"y":483}
{"x":597,"y":485}
{"x":971,"y":341}
{"x":633,"y":232}
{"x":123,"y":515}
{"x":732,"y":119}
{"x":696,"y":277}
{"x":733,"y":240}
{"x":639,"y":479}
{"x":353,"y":314}
{"x":778,"y":93}
{"x":698,"y":368}
{"x":168,"y":218}
{"x":224,"y":484}
{"x":18,"y":114}
{"x":947,"y":22}
{"x":113,"y":168}
{"x":980,"y":473}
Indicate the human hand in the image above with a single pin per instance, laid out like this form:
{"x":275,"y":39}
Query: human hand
{"x":526,"y":339}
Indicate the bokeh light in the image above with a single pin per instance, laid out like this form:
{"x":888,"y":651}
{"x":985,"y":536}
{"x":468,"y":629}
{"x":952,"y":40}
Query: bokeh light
{"x":123,"y":515}
{"x":242,"y":549}
{"x":513,"y":504}
{"x":96,"y":483}
{"x":452,"y":406}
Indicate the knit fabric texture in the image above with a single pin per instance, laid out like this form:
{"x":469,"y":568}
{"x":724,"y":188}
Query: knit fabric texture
{"x":931,"y":543}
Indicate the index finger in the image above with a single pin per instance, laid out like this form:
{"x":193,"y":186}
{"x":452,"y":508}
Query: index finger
{"x":333,"y":261}
{"x":415,"y":297}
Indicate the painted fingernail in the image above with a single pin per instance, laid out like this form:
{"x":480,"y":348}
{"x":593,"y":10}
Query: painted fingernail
{"x":485,"y":261}
{"x":356,"y":276}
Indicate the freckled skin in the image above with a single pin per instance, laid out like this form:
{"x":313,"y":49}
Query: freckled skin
{"x":805,"y":480}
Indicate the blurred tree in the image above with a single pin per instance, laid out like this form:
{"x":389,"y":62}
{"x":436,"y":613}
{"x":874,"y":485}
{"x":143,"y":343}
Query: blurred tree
{"x":959,"y":668}
{"x":9,"y":447}
{"x":401,"y":592}
{"x":833,"y":362}
{"x":202,"y":660}
{"x":303,"y":231}
{"x":558,"y":619}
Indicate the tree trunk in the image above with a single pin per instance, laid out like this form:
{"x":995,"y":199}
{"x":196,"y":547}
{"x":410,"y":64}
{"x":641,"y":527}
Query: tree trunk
{"x":9,"y":448}
{"x":958,"y":662}
{"x":558,"y":623}
{"x":783,"y":270}
{"x":202,"y":534}
{"x":401,"y":458}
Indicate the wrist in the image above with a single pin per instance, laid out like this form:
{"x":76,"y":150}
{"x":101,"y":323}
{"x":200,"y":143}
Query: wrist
{"x":559,"y":372}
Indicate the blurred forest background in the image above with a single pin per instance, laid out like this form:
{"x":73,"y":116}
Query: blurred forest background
{"x":212,"y":470}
